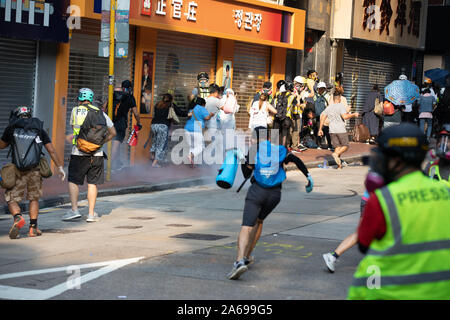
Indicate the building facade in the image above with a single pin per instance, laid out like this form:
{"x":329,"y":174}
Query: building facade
{"x":241,"y":43}
{"x":375,"y":42}
{"x":30,"y":33}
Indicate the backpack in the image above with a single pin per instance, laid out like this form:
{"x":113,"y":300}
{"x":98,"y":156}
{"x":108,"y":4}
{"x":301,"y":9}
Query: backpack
{"x":93,"y":131}
{"x":269,"y":170}
{"x":281,"y":106}
{"x":320,"y":104}
{"x":388,"y":108}
{"x":378,"y":109}
{"x":117,"y":100}
{"x":230,"y":104}
{"x":26,"y":147}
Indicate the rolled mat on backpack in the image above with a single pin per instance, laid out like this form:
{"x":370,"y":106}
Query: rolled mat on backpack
{"x":227,"y":173}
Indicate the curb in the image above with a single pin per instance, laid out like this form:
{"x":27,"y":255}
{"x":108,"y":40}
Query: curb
{"x":63,"y":199}
{"x":331,"y":162}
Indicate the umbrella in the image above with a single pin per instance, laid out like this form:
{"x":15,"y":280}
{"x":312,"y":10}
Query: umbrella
{"x":437,"y":75}
{"x":401,"y":92}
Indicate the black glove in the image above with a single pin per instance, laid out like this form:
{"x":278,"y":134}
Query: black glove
{"x":139,"y":126}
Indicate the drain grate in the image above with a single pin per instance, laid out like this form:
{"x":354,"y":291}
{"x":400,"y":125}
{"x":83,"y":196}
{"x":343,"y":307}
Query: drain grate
{"x":142,"y":218}
{"x":199,"y":236}
{"x":178,"y":225}
{"x":128,"y":227}
{"x":61,"y":231}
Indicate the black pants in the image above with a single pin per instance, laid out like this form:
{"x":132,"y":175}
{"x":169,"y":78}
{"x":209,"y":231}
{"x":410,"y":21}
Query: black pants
{"x":326,"y":132}
{"x":284,"y":127}
{"x":259,"y":203}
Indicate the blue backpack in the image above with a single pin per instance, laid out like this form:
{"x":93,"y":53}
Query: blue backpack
{"x":269,"y":170}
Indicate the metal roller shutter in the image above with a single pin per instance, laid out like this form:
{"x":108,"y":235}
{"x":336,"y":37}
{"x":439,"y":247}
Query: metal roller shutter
{"x":179,"y":59}
{"x":366,"y":65}
{"x":251,"y":65}
{"x":17,"y":79}
{"x":88,"y":70}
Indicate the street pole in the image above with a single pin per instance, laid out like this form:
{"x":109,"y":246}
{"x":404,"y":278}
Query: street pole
{"x":112,"y":23}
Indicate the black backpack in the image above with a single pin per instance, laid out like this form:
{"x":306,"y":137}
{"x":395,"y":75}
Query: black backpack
{"x":93,"y":131}
{"x":117,"y":100}
{"x":26,"y":147}
{"x":281,"y":106}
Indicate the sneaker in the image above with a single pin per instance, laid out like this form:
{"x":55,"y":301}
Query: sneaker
{"x":344,"y":164}
{"x":34,"y":232}
{"x":237,"y":271}
{"x":330,"y":260}
{"x":248,"y":261}
{"x":93,"y":218}
{"x":71,"y":215}
{"x":19,"y":222}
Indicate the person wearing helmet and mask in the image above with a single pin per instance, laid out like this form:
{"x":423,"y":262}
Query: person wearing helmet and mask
{"x":321,"y":99}
{"x":123,"y":102}
{"x":283,"y":118}
{"x":86,"y":166}
{"x":439,"y":166}
{"x":25,"y":132}
{"x":404,"y":229}
{"x":299,"y":94}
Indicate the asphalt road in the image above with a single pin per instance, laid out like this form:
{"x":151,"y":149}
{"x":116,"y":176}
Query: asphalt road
{"x":139,"y":249}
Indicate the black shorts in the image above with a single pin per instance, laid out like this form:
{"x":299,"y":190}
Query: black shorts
{"x":259,"y":203}
{"x":121,"y":128}
{"x":81,"y":167}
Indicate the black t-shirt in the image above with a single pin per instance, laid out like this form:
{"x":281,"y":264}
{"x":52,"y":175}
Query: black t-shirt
{"x":9,"y":131}
{"x":127,"y":102}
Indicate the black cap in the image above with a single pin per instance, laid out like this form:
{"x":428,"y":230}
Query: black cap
{"x":267,"y":85}
{"x":203,"y":75}
{"x":289,"y":86}
{"x":405,"y":140}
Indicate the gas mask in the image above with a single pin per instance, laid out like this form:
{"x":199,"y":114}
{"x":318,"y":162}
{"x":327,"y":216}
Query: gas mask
{"x":379,"y":175}
{"x":203,"y":83}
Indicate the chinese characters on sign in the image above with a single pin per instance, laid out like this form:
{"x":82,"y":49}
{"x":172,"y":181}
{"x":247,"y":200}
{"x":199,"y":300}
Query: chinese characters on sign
{"x":177,"y":9}
{"x":250,"y":20}
{"x":379,"y":16}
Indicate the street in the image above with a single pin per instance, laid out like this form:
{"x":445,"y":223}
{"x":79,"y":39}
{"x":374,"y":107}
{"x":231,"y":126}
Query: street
{"x":181,"y":243}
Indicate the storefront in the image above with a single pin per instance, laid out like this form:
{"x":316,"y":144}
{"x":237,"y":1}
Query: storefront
{"x":383,"y":41}
{"x":240,"y":44}
{"x":29,"y":36}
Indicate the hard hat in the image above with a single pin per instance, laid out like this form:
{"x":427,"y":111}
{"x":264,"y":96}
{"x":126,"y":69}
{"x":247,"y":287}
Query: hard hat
{"x":23,"y":111}
{"x":428,"y":80}
{"x":202,"y":75}
{"x":280,"y":83}
{"x":86,"y":94}
{"x":321,"y":85}
{"x":300,"y":79}
{"x":405,"y":140}
{"x":403,"y":77}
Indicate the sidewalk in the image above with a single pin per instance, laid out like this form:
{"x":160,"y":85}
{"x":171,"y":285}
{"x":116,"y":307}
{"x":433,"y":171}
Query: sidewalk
{"x":145,"y":178}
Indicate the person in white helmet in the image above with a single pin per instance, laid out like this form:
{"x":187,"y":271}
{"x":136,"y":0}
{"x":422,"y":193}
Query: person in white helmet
{"x":408,"y":115}
{"x":296,"y":114}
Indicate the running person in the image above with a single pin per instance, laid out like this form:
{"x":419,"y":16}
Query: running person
{"x":347,"y":243}
{"x":265,"y":160}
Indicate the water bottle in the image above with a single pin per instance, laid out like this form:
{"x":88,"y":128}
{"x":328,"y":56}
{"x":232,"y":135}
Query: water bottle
{"x":325,"y":164}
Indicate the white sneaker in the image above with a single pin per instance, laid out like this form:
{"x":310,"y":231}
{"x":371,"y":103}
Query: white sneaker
{"x":330,"y":260}
{"x":93,"y":218}
{"x":71,"y":215}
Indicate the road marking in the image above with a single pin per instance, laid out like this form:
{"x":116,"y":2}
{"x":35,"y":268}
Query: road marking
{"x":16,"y":293}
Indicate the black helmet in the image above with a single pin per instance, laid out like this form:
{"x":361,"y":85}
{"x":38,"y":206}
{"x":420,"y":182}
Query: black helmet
{"x":126,"y":84}
{"x":289,"y":86}
{"x":23,"y":112}
{"x":280,"y":83}
{"x":404,"y":140}
{"x":202,"y":75}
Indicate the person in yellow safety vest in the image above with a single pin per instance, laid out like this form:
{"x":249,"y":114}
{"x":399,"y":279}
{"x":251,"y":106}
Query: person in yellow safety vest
{"x":291,"y":113}
{"x":439,"y":168}
{"x":404,"y":231}
{"x":296,"y":109}
{"x":82,"y":166}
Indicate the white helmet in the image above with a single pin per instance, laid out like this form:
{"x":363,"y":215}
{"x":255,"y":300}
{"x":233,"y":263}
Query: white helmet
{"x":403,"y":77}
{"x":321,"y":85}
{"x":300,"y":79}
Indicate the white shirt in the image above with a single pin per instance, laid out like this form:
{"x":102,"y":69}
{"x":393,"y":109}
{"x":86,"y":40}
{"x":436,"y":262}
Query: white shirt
{"x":75,"y":150}
{"x":258,"y":118}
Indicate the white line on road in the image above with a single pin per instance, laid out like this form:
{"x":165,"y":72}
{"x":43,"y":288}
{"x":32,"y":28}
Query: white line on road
{"x":15,"y":293}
